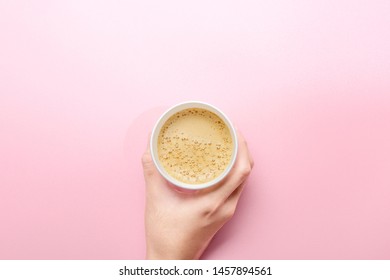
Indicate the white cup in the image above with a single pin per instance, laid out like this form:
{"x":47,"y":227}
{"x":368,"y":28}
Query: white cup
{"x":160,"y":123}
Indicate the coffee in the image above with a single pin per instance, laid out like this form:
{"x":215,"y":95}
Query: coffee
{"x":195,"y":146}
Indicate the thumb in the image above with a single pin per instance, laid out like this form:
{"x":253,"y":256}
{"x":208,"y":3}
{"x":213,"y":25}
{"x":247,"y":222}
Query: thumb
{"x":151,"y":174}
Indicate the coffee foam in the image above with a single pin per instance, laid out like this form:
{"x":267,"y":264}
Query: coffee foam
{"x":195,"y":146}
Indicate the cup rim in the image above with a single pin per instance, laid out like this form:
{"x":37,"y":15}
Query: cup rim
{"x":156,"y":131}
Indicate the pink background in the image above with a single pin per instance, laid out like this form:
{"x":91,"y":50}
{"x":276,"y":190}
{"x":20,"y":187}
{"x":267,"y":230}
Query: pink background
{"x":307,"y":82}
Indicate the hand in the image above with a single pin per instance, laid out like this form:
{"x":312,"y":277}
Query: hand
{"x":180,"y":225}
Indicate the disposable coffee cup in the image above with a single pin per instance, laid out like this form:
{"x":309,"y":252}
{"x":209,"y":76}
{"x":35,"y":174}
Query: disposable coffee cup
{"x":194,"y":145}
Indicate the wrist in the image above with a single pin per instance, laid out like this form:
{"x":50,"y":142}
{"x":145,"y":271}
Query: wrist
{"x":156,"y":255}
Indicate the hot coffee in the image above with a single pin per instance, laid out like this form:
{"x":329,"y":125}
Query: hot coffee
{"x":195,"y":146}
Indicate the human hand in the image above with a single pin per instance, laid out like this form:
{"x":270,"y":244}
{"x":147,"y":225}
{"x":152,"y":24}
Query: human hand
{"x":179,"y":224}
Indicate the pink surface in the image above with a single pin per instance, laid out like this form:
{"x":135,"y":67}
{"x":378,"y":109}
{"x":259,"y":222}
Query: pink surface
{"x":307,"y":82}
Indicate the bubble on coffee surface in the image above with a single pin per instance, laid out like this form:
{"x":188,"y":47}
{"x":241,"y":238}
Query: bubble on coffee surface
{"x":195,"y":146}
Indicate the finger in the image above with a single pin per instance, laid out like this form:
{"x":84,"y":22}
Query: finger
{"x":252,"y":163}
{"x":228,"y":208}
{"x":151,"y":174}
{"x":236,"y":194}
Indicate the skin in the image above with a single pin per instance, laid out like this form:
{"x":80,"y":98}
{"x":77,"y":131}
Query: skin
{"x":180,"y":224}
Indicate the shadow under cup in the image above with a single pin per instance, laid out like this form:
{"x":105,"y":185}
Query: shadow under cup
{"x":155,"y":139}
